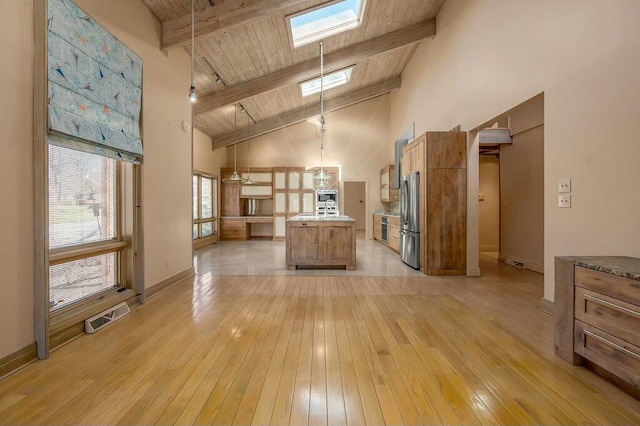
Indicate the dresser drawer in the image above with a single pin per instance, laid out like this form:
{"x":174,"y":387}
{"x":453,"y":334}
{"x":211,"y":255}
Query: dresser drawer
{"x":608,"y":284}
{"x":611,"y":315}
{"x":615,"y":355}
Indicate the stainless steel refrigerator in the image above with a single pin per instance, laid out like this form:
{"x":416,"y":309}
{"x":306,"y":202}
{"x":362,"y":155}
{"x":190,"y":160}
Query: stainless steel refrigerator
{"x":410,"y":220}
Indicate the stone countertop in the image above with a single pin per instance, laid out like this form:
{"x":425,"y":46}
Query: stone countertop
{"x":623,"y":266}
{"x":388,"y":214}
{"x":322,"y":218}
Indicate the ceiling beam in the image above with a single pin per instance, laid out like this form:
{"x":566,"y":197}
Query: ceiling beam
{"x":177,"y":32}
{"x":298,"y":115}
{"x":305,"y":70}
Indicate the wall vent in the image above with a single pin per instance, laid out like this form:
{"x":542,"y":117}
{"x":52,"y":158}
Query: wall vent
{"x":104,"y":318}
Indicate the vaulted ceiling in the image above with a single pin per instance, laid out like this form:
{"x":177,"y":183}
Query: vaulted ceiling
{"x":244,"y":55}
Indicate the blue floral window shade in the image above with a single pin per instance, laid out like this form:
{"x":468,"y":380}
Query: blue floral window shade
{"x":95,"y":86}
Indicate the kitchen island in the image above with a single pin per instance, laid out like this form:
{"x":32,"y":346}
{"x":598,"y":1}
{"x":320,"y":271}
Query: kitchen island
{"x":321,"y":242}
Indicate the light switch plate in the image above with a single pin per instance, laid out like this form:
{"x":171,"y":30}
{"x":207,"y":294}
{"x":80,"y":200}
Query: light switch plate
{"x":564,"y":201}
{"x":564,"y":185}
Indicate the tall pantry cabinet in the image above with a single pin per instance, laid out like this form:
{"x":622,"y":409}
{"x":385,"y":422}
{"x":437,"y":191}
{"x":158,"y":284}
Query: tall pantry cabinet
{"x":441,"y":160}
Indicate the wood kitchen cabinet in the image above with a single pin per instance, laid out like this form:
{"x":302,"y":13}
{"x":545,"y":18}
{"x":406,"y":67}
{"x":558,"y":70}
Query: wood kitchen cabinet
{"x":393,"y":230}
{"x":234,"y":228}
{"x":388,"y":193}
{"x":441,"y":160}
{"x":230,"y":199}
{"x":321,"y":243}
{"x":377,"y":227}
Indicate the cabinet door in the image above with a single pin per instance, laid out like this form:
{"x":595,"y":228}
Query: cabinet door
{"x":307,"y":202}
{"x":279,"y":226}
{"x":304,"y":244}
{"x":280,"y":180}
{"x":377,"y":227}
{"x":337,"y":244}
{"x":384,"y":193}
{"x":230,"y":200}
{"x":308,"y":180}
{"x":280,"y":202}
{"x":294,"y":202}
{"x":384,"y":176}
{"x":294,"y":180}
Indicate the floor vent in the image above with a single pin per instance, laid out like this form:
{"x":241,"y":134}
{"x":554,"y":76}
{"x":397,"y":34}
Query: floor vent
{"x":96,"y":322}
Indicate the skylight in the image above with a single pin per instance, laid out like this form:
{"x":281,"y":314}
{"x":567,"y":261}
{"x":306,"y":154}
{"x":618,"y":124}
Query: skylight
{"x":335,"y":79}
{"x":322,"y":22}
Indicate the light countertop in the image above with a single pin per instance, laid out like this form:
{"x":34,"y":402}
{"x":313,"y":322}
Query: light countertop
{"x":328,"y":218}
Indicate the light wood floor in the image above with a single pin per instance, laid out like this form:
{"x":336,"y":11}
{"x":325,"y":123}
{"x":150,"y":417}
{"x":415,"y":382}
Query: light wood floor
{"x":322,"y":350}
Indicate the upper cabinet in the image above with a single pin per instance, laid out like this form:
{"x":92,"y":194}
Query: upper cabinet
{"x":388,"y":194}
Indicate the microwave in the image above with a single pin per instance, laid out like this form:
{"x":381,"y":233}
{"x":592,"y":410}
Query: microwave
{"x":326,"y":200}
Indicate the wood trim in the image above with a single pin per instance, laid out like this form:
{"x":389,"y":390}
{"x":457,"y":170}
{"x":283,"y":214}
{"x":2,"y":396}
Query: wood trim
{"x":546,"y":306}
{"x":177,"y":32}
{"x":40,"y":180}
{"x":303,"y":71}
{"x":170,"y":282}
{"x":521,"y":263}
{"x":296,"y":116}
{"x":203,"y":242}
{"x":20,"y":358}
{"x":564,"y":304}
{"x":63,"y":256}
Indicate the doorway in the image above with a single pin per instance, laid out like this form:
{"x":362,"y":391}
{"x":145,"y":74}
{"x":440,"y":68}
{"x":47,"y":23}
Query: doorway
{"x":354,"y":203}
{"x":511,"y":188}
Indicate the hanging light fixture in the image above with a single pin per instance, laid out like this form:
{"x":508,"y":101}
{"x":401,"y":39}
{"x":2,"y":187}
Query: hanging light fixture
{"x":193,"y":98}
{"x":235,"y":177}
{"x":248,"y":180}
{"x":322,"y":180}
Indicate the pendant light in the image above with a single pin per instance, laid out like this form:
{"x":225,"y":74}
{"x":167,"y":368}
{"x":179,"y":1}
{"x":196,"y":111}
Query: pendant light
{"x":193,"y":98}
{"x":248,"y":180}
{"x":322,"y":180}
{"x":235,"y":177}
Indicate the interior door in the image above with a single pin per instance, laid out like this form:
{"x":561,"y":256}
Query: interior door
{"x":354,"y":203}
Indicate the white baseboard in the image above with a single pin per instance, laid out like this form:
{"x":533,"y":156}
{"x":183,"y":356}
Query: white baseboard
{"x":488,"y":247}
{"x":521,"y":263}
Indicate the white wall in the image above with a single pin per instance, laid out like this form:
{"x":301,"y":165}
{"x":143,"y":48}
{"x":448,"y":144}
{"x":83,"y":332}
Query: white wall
{"x":490,"y":55}
{"x":16,"y":171}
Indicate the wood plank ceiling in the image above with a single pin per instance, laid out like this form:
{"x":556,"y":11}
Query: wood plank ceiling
{"x":247,"y":45}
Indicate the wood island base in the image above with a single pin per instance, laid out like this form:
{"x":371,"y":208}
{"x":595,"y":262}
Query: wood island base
{"x":319,"y":243}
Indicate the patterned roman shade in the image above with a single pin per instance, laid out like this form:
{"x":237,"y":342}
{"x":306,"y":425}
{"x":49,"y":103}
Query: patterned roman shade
{"x":95,"y":86}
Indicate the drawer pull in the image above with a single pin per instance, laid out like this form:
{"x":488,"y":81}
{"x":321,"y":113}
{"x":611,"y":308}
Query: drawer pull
{"x":613,"y":306}
{"x":610,"y":343}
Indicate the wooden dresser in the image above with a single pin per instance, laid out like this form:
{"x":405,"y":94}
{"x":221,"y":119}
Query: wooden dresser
{"x":597,"y":315}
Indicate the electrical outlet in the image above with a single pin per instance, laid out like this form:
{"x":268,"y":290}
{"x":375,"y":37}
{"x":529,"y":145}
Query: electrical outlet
{"x":167,"y":263}
{"x":564,"y":185}
{"x":564,"y":201}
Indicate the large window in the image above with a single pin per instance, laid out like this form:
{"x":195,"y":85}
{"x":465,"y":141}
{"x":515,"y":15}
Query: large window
{"x":324,"y":21}
{"x":84,"y":237}
{"x":205,"y":206}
